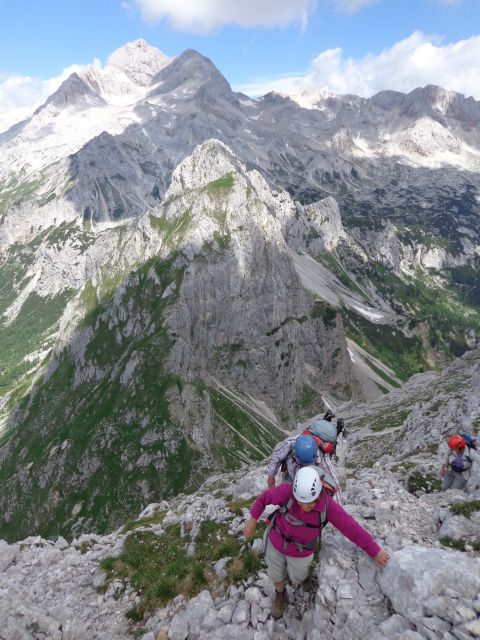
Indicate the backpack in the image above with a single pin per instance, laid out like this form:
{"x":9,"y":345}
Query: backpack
{"x":324,"y":429}
{"x":469,"y":440}
{"x":313,"y":544}
{"x":460,"y":463}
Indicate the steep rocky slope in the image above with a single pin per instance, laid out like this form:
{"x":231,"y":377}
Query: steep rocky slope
{"x":190,"y":345}
{"x":152,"y":568}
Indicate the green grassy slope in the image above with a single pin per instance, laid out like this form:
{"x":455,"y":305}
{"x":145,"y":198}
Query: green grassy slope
{"x":95,"y":443}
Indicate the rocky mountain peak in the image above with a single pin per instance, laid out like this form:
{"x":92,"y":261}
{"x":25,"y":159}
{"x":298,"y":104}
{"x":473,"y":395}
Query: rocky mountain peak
{"x":209,"y":161}
{"x":387,"y":99}
{"x":73,"y":90}
{"x":189,"y":72}
{"x":430,"y":100}
{"x":139,"y":61}
{"x":311,"y":97}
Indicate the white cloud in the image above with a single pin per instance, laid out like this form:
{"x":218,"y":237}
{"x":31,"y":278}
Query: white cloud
{"x":353,"y":6}
{"x":203,"y":16}
{"x":21,"y":95}
{"x":416,"y":61}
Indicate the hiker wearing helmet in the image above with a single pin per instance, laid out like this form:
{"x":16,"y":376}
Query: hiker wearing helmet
{"x":295,"y":452}
{"x":285,"y":457}
{"x":457,"y":462}
{"x":295,"y":528}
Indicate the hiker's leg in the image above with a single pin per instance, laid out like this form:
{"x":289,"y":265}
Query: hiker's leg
{"x":276,"y":566}
{"x":299,"y":568}
{"x":277,"y":572}
{"x":447,"y":481}
{"x":458,"y":482}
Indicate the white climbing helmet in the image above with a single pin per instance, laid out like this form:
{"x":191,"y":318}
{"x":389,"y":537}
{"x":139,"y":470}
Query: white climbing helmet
{"x":307,"y":485}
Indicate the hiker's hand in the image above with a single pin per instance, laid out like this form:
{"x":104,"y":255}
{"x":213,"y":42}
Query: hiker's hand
{"x":249,"y":528}
{"x":443,"y":471}
{"x":271,"y":482}
{"x":381,"y":559}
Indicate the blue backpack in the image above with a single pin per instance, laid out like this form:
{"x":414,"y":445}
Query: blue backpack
{"x":469,"y":440}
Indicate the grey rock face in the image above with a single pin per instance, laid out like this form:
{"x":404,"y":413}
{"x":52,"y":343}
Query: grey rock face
{"x":460,"y":527}
{"x":415,"y":573}
{"x":7,"y":554}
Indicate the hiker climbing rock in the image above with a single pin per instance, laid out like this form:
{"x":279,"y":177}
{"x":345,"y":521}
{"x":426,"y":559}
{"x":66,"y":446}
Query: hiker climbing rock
{"x":289,"y":455}
{"x":314,"y":446}
{"x":295,"y":529}
{"x":341,"y":428}
{"x":457,"y":462}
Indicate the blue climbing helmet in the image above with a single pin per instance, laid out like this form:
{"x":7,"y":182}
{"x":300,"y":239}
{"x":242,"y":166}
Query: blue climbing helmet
{"x":305,"y":449}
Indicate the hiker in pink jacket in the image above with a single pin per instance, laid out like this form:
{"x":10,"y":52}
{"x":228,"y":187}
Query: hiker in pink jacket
{"x":294,"y":531}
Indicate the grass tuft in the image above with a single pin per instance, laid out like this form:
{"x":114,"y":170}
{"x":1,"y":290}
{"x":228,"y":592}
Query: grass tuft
{"x":465,"y":508}
{"x":158,"y":567}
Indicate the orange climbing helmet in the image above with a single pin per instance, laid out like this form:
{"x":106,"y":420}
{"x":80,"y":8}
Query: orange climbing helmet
{"x":456,"y":443}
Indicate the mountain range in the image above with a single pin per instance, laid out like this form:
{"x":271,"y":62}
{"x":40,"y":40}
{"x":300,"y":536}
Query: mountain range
{"x":185,"y":272}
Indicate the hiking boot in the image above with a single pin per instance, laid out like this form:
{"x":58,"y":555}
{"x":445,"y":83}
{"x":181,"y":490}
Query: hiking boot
{"x":278,"y":606}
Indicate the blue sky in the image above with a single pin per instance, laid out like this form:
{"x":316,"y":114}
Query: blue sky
{"x":344,"y":45}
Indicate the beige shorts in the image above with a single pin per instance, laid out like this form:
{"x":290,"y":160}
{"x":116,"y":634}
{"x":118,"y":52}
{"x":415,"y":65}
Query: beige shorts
{"x":279,"y":565}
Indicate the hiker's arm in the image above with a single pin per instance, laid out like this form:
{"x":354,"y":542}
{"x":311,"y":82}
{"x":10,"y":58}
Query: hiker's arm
{"x":279,"y":496}
{"x":350,"y":528}
{"x":443,"y":468}
{"x":249,"y":528}
{"x":279,"y":454}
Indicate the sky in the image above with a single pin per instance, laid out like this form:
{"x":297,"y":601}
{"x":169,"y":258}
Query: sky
{"x":344,"y":46}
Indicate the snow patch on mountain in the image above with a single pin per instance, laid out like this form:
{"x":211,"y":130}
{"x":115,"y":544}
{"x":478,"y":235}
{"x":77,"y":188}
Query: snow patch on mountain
{"x":311,"y":98}
{"x":88,"y":103}
{"x":428,"y":143}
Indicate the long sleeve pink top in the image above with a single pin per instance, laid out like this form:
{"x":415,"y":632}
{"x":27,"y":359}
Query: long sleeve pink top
{"x":337,"y":516}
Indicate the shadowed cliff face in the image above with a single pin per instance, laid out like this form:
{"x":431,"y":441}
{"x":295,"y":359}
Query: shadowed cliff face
{"x":186,"y":355}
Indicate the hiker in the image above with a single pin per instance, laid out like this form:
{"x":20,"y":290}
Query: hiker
{"x":294,"y":452}
{"x":457,"y":462}
{"x":295,"y":529}
{"x":340,"y":430}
